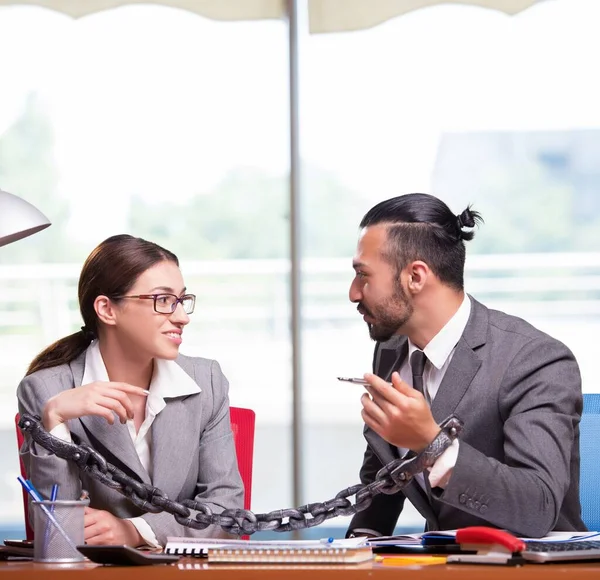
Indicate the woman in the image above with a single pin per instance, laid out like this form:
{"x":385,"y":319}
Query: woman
{"x":173,"y":428}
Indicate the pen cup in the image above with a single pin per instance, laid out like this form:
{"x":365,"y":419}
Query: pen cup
{"x":58,"y":530}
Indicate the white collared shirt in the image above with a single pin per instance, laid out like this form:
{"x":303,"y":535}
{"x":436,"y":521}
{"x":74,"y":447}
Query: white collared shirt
{"x":169,"y":380}
{"x":439,"y":351}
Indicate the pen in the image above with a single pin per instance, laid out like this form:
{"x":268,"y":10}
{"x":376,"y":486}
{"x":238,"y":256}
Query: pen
{"x":53,"y":495}
{"x":326,"y":541}
{"x":36,"y":496}
{"x":353,"y":380}
{"x":30,"y":489}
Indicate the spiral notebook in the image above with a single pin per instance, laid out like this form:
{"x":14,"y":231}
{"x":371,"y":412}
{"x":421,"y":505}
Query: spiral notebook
{"x":346,"y":551}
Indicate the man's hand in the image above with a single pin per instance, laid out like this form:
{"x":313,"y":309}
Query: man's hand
{"x":398,"y":413}
{"x":101,"y":528}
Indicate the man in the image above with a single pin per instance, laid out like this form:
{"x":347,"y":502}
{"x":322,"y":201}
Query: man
{"x":516,"y":389}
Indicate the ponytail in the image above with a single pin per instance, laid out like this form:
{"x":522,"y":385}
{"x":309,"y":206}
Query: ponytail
{"x":110,"y":270}
{"x":61,"y":352}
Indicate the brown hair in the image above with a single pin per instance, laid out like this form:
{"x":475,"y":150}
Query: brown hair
{"x":110,"y":270}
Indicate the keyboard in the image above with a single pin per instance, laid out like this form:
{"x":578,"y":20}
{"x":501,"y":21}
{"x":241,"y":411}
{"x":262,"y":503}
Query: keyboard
{"x":539,"y":551}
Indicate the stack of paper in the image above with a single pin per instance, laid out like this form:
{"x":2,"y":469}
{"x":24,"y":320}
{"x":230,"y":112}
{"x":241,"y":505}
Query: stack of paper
{"x":412,"y":540}
{"x":345,"y":551}
{"x":445,"y":536}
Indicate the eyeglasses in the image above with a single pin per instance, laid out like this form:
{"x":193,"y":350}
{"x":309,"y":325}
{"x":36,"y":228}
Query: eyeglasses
{"x":167,"y":303}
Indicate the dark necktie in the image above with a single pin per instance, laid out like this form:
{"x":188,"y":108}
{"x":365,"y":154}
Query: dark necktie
{"x":417,"y":365}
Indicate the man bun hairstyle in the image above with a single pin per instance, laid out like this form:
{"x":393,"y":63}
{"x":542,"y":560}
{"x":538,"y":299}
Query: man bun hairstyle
{"x":422,"y":227}
{"x":467,"y":219}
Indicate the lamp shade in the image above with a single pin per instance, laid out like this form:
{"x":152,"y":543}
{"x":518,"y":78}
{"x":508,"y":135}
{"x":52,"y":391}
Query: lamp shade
{"x":18,"y":218}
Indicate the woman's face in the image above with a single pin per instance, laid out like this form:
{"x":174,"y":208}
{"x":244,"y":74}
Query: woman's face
{"x":139,"y":326}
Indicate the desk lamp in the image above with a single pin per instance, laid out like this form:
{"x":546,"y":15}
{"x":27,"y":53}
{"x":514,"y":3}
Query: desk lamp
{"x":18,"y":218}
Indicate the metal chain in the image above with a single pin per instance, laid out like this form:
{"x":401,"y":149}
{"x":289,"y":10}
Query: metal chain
{"x":390,"y":479}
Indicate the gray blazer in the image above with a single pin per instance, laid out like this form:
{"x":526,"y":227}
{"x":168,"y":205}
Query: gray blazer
{"x":518,"y":392}
{"x":193,"y":452}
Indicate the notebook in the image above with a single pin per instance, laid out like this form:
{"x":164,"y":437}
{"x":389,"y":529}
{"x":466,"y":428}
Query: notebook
{"x":345,"y":551}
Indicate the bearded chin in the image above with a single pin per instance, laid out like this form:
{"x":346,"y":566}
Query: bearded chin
{"x":381,"y":333}
{"x":390,"y":318}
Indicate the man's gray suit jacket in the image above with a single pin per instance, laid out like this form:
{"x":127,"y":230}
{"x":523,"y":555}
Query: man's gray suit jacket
{"x":518,"y":392}
{"x":193,"y":451}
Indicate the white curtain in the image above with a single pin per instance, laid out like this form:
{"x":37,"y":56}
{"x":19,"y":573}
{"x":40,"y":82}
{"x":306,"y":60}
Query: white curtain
{"x":324,"y":15}
{"x":215,"y":9}
{"x":342,"y":15}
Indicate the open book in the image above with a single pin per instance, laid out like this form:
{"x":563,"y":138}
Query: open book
{"x":345,"y":551}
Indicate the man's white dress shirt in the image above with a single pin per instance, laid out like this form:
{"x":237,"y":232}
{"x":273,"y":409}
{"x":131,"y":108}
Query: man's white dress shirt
{"x":439,"y":352}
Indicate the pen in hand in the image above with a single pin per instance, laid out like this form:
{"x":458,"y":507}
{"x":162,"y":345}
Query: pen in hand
{"x":355,"y":380}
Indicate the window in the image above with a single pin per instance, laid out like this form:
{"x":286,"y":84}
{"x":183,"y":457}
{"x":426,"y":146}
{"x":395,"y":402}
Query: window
{"x":177,"y":130}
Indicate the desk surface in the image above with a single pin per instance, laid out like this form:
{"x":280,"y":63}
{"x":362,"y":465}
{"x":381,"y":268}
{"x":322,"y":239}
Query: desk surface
{"x":186,"y":567}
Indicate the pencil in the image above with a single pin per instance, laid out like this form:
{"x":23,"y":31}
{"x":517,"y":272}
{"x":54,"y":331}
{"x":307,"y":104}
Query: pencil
{"x":410,"y":560}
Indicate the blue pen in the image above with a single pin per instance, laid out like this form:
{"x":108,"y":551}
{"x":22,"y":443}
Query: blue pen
{"x":326,"y":541}
{"x":36,"y":496}
{"x":30,"y":489}
{"x":53,"y":496}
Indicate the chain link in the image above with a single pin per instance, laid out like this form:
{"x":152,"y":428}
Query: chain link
{"x":390,"y":479}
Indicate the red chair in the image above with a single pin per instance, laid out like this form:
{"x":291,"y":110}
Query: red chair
{"x":28,"y":528}
{"x":242,"y":425}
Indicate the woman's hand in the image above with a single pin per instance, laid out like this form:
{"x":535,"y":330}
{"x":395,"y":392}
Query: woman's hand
{"x":98,"y":398}
{"x":102,"y":528}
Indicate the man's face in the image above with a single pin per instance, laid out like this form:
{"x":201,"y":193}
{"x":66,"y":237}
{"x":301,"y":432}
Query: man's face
{"x":376,"y":287}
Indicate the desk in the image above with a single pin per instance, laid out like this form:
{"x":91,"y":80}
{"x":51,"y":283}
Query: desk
{"x":189,"y":568}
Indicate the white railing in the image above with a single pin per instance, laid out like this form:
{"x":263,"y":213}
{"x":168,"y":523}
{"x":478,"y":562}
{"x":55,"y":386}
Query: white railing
{"x":242,"y":320}
{"x":245,"y":302}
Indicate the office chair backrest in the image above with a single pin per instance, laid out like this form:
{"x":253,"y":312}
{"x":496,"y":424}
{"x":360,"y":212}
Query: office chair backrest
{"x":589,"y":478}
{"x":28,"y":528}
{"x":242,"y":425}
